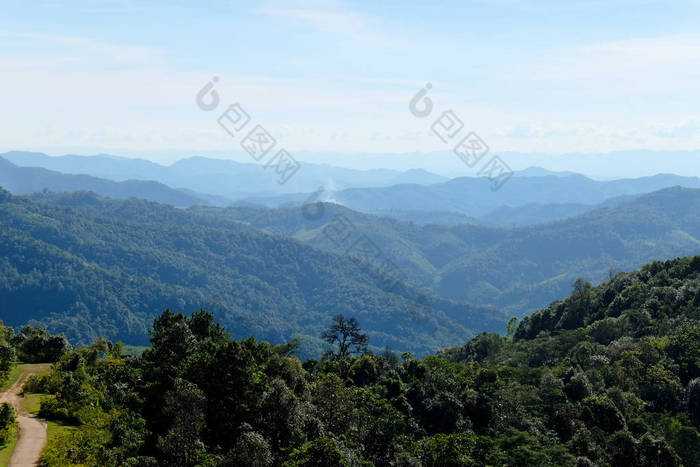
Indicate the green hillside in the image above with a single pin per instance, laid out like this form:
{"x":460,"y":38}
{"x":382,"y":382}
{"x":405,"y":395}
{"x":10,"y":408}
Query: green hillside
{"x":107,"y":267}
{"x":609,"y":376}
{"x":517,"y":270}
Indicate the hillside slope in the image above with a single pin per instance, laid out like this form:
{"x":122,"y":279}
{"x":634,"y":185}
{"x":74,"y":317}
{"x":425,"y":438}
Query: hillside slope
{"x":515,"y":269}
{"x":608,"y":377}
{"x":611,"y":373}
{"x":106,"y":267}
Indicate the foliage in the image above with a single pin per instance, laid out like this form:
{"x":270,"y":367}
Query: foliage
{"x":559,"y":392}
{"x":36,"y":345}
{"x":345,"y":338}
{"x":518,"y":269}
{"x":8,"y":353}
{"x":7,"y":422}
{"x":91,"y":267}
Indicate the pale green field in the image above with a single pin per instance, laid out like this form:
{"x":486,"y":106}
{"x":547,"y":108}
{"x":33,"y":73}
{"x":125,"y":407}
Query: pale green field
{"x":134,"y":350}
{"x":56,"y":429}
{"x":31,"y":402}
{"x":14,"y":374}
{"x":19,"y":368}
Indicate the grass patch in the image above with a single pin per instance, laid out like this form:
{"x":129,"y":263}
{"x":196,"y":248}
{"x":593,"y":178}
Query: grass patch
{"x":57,"y":429}
{"x":134,"y":350}
{"x":38,"y":369}
{"x":31,"y":402}
{"x":57,"y":443}
{"x":11,"y":378}
{"x":18,"y":369}
{"x":7,"y":449}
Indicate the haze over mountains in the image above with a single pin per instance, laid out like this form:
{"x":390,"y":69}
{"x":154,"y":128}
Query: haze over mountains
{"x":532,"y":196}
{"x":598,"y":165}
{"x":25,"y":180}
{"x":473,"y":196}
{"x":220,"y":177}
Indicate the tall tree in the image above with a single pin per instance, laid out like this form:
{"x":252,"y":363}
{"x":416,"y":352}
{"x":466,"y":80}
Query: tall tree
{"x":346,"y":338}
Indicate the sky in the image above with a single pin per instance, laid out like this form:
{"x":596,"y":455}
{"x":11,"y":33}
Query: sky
{"x":121,"y":76}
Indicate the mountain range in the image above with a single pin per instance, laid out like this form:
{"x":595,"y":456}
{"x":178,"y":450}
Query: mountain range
{"x":532,"y":196}
{"x":90,"y":267}
{"x":25,"y":180}
{"x":473,"y":196}
{"x":480,"y":255}
{"x":223,"y":178}
{"x":513,"y":269}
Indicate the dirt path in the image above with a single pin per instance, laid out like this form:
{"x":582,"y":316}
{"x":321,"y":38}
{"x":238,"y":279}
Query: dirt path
{"x":32,"y":431}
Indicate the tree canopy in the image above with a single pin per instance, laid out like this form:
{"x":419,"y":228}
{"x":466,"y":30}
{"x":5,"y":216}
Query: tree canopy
{"x":623,"y":387}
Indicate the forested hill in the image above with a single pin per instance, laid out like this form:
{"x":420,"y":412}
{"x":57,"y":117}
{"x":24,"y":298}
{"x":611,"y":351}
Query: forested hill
{"x":608,"y":377}
{"x":517,"y":270}
{"x":107,"y":267}
{"x":612,"y":372}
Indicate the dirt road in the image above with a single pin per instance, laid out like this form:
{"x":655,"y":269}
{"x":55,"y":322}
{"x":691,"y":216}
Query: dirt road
{"x":32,"y":431}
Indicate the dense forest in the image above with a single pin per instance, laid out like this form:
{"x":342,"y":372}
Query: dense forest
{"x":516,"y":270}
{"x":93,"y":267}
{"x":609,"y":376}
{"x":90,"y":266}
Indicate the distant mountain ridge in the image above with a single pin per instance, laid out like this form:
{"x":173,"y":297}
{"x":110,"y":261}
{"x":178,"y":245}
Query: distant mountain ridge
{"x":533,"y":196}
{"x":599,"y":165}
{"x":473,"y":197}
{"x":224,"y":178}
{"x":25,"y":180}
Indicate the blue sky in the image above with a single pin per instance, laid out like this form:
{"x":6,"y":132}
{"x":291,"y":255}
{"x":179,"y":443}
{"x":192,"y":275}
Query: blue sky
{"x":120,"y":76}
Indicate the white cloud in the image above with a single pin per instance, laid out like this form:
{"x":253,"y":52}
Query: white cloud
{"x":73,"y":53}
{"x":82,"y":92}
{"x":684,"y":130}
{"x":654,"y":64}
{"x":356,"y":26}
{"x":145,"y":104}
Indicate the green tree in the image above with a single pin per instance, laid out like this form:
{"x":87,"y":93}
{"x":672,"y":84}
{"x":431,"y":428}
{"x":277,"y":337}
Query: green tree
{"x":185,"y":405}
{"x":321,"y":452}
{"x":512,"y":326}
{"x":345,"y":337}
{"x":693,"y":400}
